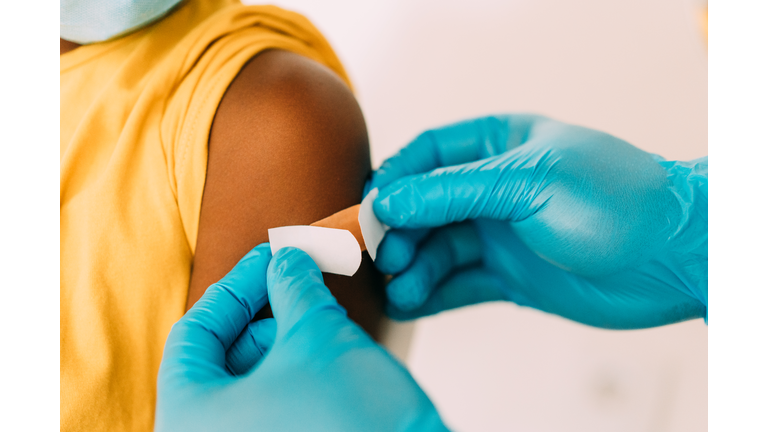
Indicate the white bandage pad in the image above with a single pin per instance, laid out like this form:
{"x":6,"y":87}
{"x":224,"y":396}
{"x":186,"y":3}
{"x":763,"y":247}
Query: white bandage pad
{"x":333,"y":250}
{"x":373,"y":230}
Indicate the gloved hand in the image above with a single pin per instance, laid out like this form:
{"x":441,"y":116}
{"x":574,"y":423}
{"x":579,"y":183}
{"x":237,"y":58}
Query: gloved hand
{"x":557,"y":217}
{"x":320,"y":371}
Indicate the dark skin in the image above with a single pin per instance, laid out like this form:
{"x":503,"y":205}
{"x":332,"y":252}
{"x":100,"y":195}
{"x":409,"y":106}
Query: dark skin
{"x":66,"y":46}
{"x":288,"y":146}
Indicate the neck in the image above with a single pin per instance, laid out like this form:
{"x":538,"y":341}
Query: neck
{"x":66,"y":46}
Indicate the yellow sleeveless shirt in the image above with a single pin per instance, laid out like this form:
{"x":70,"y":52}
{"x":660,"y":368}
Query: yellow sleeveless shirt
{"x":135,"y":118}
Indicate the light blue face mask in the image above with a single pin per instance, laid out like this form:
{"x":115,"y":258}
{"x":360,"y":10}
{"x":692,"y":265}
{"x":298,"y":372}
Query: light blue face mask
{"x":88,"y":21}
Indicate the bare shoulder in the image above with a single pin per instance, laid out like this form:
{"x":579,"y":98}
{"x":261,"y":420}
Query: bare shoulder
{"x":288,"y":146}
{"x":279,"y":92}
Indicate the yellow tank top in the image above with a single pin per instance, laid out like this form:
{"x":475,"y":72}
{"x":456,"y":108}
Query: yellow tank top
{"x":135,"y":117}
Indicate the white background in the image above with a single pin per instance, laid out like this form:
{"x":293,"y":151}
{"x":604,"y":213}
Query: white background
{"x":636,"y":69}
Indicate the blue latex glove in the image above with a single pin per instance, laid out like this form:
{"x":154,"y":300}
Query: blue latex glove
{"x":314,"y":368}
{"x":557,"y":217}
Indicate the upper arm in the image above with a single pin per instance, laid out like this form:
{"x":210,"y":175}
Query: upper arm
{"x":288,"y":146}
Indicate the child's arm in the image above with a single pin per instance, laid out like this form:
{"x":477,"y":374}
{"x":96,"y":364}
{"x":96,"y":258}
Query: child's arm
{"x":288,"y":146}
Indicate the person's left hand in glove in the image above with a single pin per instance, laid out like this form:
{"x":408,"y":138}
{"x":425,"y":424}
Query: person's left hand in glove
{"x":308,"y":368}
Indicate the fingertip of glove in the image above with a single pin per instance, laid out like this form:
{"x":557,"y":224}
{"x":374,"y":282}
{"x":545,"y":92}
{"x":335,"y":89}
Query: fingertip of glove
{"x":388,"y":207}
{"x":258,"y":251}
{"x":286,"y":251}
{"x":406,"y":293}
{"x":289,"y":258}
{"x":395,"y":254}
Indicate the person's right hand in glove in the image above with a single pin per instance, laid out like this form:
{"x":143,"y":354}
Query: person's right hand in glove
{"x":310,"y":368}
